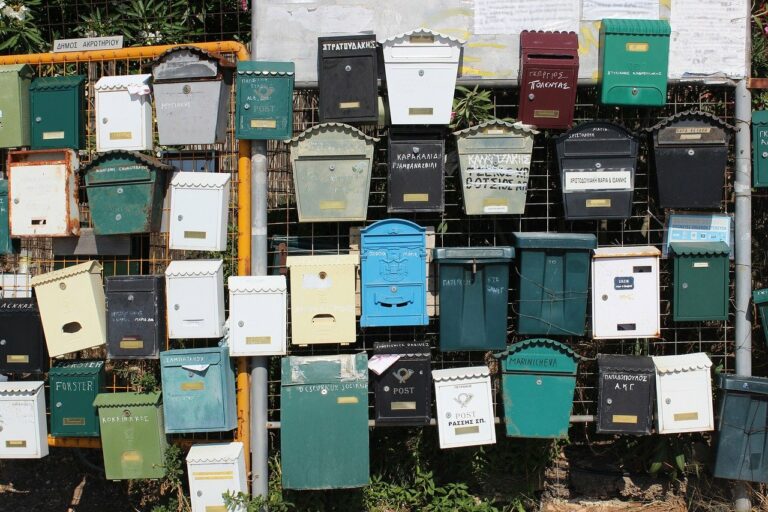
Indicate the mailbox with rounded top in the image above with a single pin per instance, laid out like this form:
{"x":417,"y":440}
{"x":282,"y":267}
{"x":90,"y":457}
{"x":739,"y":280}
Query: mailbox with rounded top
{"x":464,"y":403}
{"x":625,"y":394}
{"x":264,"y":100}
{"x":257,"y":313}
{"x":123,"y":113}
{"x":74,"y":386}
{"x":15,"y":80}
{"x":7,"y":245}
{"x":199,"y":211}
{"x":683,"y":393}
{"x":403,"y":390}
{"x":701,"y":281}
{"x":213,"y":470}
{"x":760,"y":148}
{"x":136,"y":324}
{"x":22,"y":344}
{"x":194,"y":291}
{"x":58,"y":112}
{"x":347,"y":75}
{"x":23,"y":429}
{"x":760,"y":298}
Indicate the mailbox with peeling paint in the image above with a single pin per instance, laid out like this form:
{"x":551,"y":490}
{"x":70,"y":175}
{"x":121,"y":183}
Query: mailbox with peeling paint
{"x":348,"y":74}
{"x":199,"y":211}
{"x":7,"y":246}
{"x":215,"y":469}
{"x":74,"y":386}
{"x":257,"y":313}
{"x":701,"y":281}
{"x":58,"y":112}
{"x":416,"y":172}
{"x":123,"y":113}
{"x":760,"y":148}
{"x":464,"y":403}
{"x":135,"y":316}
{"x":683,"y":393}
{"x":194,"y":291}
{"x":625,"y":394}
{"x":264,"y":100}
{"x":14,"y":105}
{"x":24,"y":432}
{"x":403,"y":391}
{"x":22,"y":344}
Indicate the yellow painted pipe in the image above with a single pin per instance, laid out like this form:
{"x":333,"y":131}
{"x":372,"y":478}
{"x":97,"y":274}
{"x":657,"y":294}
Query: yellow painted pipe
{"x":243,"y":433}
{"x":74,"y":442}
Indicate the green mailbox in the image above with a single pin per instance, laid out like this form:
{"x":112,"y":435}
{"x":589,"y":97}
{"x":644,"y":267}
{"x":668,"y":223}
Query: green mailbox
{"x":760,"y":148}
{"x":634,"y":57}
{"x":474,"y":292}
{"x":7,"y":246}
{"x":14,"y":105}
{"x":264,"y":100}
{"x":74,"y":386}
{"x":57,"y":112}
{"x":324,"y":421}
{"x":701,"y":281}
{"x":132,"y":437}
{"x":760,"y":298}
{"x":553,"y":281}
{"x":538,"y":380}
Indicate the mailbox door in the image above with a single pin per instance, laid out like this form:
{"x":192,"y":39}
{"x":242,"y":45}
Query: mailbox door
{"x":120,"y":121}
{"x":20,"y":328}
{"x":194,"y":307}
{"x":199,"y":219}
{"x":7,"y":246}
{"x":685,"y":402}
{"x":524,"y":395}
{"x":191,"y":112}
{"x":421,"y":92}
{"x":348,"y":89}
{"x":135,"y":322}
{"x":124,"y":203}
{"x":465,"y":412}
{"x":701,"y":288}
{"x":39,"y":200}
{"x":416,"y":181}
{"x":330,"y":190}
{"x":265,"y":107}
{"x":132,"y":441}
{"x":548,"y":90}
{"x":193,"y":398}
{"x":209,"y":482}
{"x":14,"y":105}
{"x":403,"y":392}
{"x":56,"y":119}
{"x":258,"y":323}
{"x":691,"y":177}
{"x":625,"y":396}
{"x":72,"y":410}
{"x":20,"y":421}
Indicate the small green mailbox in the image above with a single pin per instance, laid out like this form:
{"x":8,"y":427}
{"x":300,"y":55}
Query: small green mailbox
{"x":634,"y":57}
{"x":760,"y":298}
{"x":74,"y":386}
{"x":7,"y":246}
{"x":56,"y":104}
{"x":264,"y":100}
{"x":553,"y":273}
{"x":760,"y":148}
{"x":14,"y":105}
{"x":132,"y":437}
{"x":538,"y":381}
{"x":701,"y":281}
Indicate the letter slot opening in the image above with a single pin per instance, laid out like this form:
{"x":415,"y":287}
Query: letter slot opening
{"x":323,"y":319}
{"x":552,"y":57}
{"x":71,"y":327}
{"x":645,"y":269}
{"x":39,"y":222}
{"x":626,"y":327}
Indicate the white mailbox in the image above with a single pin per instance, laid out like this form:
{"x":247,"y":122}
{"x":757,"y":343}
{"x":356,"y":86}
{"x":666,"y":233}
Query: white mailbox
{"x":213,"y":470}
{"x":421,"y":68}
{"x":625,"y":292}
{"x":257,"y":315}
{"x":194,"y":292}
{"x":683,"y":393}
{"x":23,"y":429}
{"x":464,"y":406}
{"x":123,"y":113}
{"x":199,"y":211}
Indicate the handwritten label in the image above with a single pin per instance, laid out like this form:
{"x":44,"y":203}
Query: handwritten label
{"x":501,"y":17}
{"x":597,"y":180}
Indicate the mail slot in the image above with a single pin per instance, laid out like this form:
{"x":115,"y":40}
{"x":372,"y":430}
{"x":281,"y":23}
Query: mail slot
{"x":535,"y":372}
{"x":683,"y":393}
{"x":421,"y":68}
{"x":123,"y":113}
{"x":264,"y":100}
{"x":22,"y":344}
{"x":257,"y":313}
{"x":22,"y":415}
{"x":58,"y":112}
{"x":625,"y":394}
{"x":348,"y":74}
{"x":760,"y":148}
{"x":199,"y":211}
{"x":125,"y":192}
{"x":634,"y":57}
{"x":760,"y":298}
{"x":416,"y":172}
{"x":597,"y":170}
{"x":332,"y":172}
{"x":474,"y":292}
{"x":495,"y":161}
{"x":15,"y":80}
{"x":7,"y":246}
{"x":215,"y":469}
{"x":548,"y":77}
{"x":701,"y":281}
{"x":552,"y":281}
{"x":324,"y":421}
{"x":464,"y":403}
{"x":74,"y":386}
{"x":194,"y":291}
{"x":690,"y":153}
{"x":136,"y":324}
{"x":403,"y":390}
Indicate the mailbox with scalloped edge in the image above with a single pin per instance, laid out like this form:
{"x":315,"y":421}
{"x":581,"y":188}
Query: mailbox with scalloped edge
{"x":701,"y":281}
{"x":123,"y":113}
{"x":464,"y":403}
{"x":683,"y":393}
{"x":213,"y":470}
{"x":264,"y":100}
{"x":257,"y":313}
{"x":23,"y":429}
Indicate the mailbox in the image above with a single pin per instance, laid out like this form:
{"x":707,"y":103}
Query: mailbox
{"x":548,"y":77}
{"x":322,"y":299}
{"x":194,"y":291}
{"x":199,"y":211}
{"x":332,"y":172}
{"x":7,"y":246}
{"x":264,"y":100}
{"x":23,"y":432}
{"x":123,"y":113}
{"x":43,"y":193}
{"x":421,"y":68}
{"x":403,"y":391}
{"x":597,"y":162}
{"x":415,"y":174}
{"x":701,"y":281}
{"x":683,"y":393}
{"x":22,"y":344}
{"x":348,"y":75}
{"x":690,"y":152}
{"x":132,"y":438}
{"x":15,"y":286}
{"x":634,"y":56}
{"x":136,"y":324}
{"x":625,"y":394}
{"x":760,"y":148}
{"x":58,"y":112}
{"x":71,"y":302}
{"x":324,"y":421}
{"x":474,"y":292}
{"x":257,"y":313}
{"x":760,"y":298}
{"x":15,"y":80}
{"x":536,"y":372}
{"x":198,"y":390}
{"x":495,"y":161}
{"x":625,"y":293}
{"x":215,"y":469}
{"x":464,"y":403}
{"x":74,"y":386}
{"x":553,"y":277}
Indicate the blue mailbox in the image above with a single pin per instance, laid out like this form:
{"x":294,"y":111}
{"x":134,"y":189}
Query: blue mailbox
{"x":393,"y":261}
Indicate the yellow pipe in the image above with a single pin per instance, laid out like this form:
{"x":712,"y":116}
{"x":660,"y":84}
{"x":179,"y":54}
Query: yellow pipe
{"x":243,"y":433}
{"x":74,"y":442}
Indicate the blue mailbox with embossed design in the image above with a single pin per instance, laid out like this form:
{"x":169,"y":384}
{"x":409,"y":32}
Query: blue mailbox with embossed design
{"x":393,"y":261}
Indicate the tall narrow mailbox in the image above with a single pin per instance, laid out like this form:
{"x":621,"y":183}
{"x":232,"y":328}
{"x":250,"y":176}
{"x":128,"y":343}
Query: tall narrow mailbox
{"x":760,"y":298}
{"x":58,"y":112}
{"x":760,"y":148}
{"x":403,"y":391}
{"x":324,"y":421}
{"x":264,"y":100}
{"x":625,"y":394}
{"x":23,"y":429}
{"x":553,"y":278}
{"x":257,"y":312}
{"x":74,"y":386}
{"x":194,"y":291}
{"x":215,"y":469}
{"x":123,"y":113}
{"x":625,"y":293}
{"x":464,"y":403}
{"x":683,"y":393}
{"x":548,"y":77}
{"x":348,"y":74}
{"x":7,"y":246}
{"x":22,"y":344}
{"x":332,"y":172}
{"x":416,"y":172}
{"x":15,"y":80}
{"x":199,"y":211}
{"x":701,"y":281}
{"x":136,"y":326}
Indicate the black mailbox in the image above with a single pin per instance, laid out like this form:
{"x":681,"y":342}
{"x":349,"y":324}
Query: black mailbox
{"x":690,"y":152}
{"x":135,"y":316}
{"x":416,"y":172}
{"x":404,"y":390}
{"x":625,"y":394}
{"x":22,"y":343}
{"x":347,"y":71}
{"x":597,"y":162}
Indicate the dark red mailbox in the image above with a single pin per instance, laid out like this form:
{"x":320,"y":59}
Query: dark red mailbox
{"x":549,"y":72}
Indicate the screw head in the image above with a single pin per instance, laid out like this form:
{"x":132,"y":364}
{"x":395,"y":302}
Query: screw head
{"x":240,"y":323}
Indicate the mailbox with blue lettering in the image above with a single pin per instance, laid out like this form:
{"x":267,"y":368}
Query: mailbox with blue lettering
{"x":394,"y":274}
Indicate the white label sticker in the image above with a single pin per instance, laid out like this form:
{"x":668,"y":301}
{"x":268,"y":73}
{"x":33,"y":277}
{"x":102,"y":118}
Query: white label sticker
{"x":495,"y":209}
{"x":598,"y":180}
{"x":700,"y":264}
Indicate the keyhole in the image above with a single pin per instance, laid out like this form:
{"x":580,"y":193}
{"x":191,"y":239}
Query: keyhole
{"x":605,"y":297}
{"x":322,"y":275}
{"x":348,"y":68}
{"x":186,"y":89}
{"x":421,"y":72}
{"x":180,"y":217}
{"x":530,"y":96}
{"x":634,"y":92}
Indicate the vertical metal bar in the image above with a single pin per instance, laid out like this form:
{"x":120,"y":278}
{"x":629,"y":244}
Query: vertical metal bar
{"x":244,"y":269}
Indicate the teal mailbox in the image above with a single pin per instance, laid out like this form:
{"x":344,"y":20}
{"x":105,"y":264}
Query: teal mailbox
{"x":760,"y":148}
{"x":264,"y":100}
{"x":58,"y":116}
{"x":74,"y":386}
{"x":760,"y":298}
{"x":7,"y":246}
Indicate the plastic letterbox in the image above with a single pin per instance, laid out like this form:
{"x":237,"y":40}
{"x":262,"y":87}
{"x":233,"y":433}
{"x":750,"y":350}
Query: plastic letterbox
{"x":123,"y":113}
{"x":23,"y":429}
{"x":264,"y":100}
{"x":403,"y":391}
{"x":194,"y":291}
{"x":257,"y":313}
{"x":199,"y":211}
{"x":22,"y":344}
{"x":464,"y":404}
{"x":14,"y":105}
{"x":683,"y":393}
{"x":626,"y":387}
{"x":58,"y":112}
{"x":348,"y":73}
{"x":74,"y":386}
{"x":416,"y":173}
{"x":136,"y":325}
{"x":7,"y":246}
{"x":760,"y":148}
{"x":701,"y":281}
{"x":215,"y":469}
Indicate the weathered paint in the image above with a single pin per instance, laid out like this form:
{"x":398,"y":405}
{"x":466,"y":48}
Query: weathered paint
{"x":73,"y":388}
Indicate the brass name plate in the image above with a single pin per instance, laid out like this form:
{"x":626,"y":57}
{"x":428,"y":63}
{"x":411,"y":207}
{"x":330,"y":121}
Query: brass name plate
{"x":546,"y":114}
{"x":263,"y":123}
{"x":332,"y":205}
{"x":198,"y":235}
{"x":421,"y":39}
{"x":73,"y":422}
{"x":258,"y":340}
{"x":690,"y":136}
{"x":347,"y":400}
{"x":624,"y":418}
{"x":637,"y":47}
{"x":415,"y":198}
{"x":598,"y":203}
{"x":460,"y":431}
{"x":494,"y":201}
{"x":686,"y":416}
{"x":213,"y":475}
{"x":215,"y":508}
{"x":15,"y":444}
{"x":420,"y":111}
{"x":131,"y":456}
{"x":120,"y":135}
{"x":192,"y":386}
{"x":403,"y":406}
{"x":131,"y":344}
{"x":53,"y":135}
{"x":494,"y":131}
{"x":349,"y":104}
{"x":17,"y":359}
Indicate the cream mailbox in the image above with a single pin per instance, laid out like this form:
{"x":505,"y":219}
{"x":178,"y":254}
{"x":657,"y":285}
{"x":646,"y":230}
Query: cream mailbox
{"x":257,"y":312}
{"x":42,"y":197}
{"x":464,"y":406}
{"x":199,"y":211}
{"x":683,"y":393}
{"x":421,"y":68}
{"x":213,"y":470}
{"x":194,"y":291}
{"x":123,"y":113}
{"x":23,"y":430}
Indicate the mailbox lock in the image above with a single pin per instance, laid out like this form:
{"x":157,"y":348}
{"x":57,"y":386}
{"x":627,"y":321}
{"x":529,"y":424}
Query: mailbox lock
{"x":691,"y":152}
{"x":393,"y":289}
{"x":415,"y":150}
{"x":240,"y":323}
{"x":16,"y":201}
{"x":538,"y":382}
{"x":38,"y":119}
{"x":347,"y":68}
{"x":126,"y":413}
{"x":130,"y":298}
{"x":598,"y":165}
{"x":247,"y":106}
{"x":323,"y":391}
{"x":186,"y":89}
{"x":180,"y":217}
{"x":322,"y":275}
{"x":386,"y":389}
{"x":104,"y":120}
{"x":58,"y":404}
{"x":119,"y":190}
{"x":605,"y":297}
{"x":668,"y":401}
{"x":765,"y":154}
{"x":63,"y":286}
{"x":118,"y":217}
{"x":531,"y":96}
{"x":175,"y":307}
{"x":634,"y":91}
{"x":3,"y":342}
{"x":199,"y":493}
{"x":331,"y":168}
{"x":685,"y":285}
{"x":421,"y":72}
{"x":745,"y":385}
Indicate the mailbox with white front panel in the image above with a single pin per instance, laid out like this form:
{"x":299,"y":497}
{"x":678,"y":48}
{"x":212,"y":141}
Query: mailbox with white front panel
{"x":464,"y":406}
{"x":215,"y":469}
{"x":683,"y":393}
{"x":199,"y":211}
{"x":23,"y":429}
{"x":194,"y":291}
{"x":421,"y":68}
{"x":347,"y":75}
{"x":625,"y":292}
{"x":123,"y":113}
{"x":257,"y":313}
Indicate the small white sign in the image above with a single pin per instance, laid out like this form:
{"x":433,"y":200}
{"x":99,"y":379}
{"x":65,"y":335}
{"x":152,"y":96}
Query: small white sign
{"x":598,"y":180}
{"x":87,"y":44}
